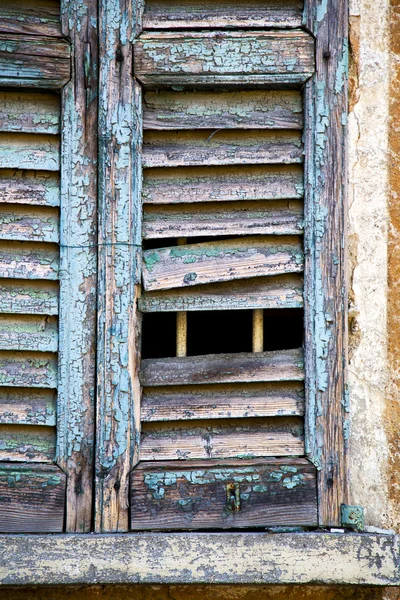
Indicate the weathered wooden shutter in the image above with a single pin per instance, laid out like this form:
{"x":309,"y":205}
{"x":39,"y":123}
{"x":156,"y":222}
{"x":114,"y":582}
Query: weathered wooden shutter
{"x":47,"y":265}
{"x":204,"y":133}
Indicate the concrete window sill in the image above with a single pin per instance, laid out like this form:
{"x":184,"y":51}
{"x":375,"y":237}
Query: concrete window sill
{"x":182,"y":558}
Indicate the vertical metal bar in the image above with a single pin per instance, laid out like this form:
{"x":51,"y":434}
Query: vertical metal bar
{"x":258,"y":330}
{"x":181,"y":322}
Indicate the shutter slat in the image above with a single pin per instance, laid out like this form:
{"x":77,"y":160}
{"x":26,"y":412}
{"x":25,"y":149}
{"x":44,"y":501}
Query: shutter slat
{"x":28,"y":332}
{"x":194,"y":495}
{"x":29,"y":151}
{"x":223,"y":260}
{"x":182,"y":14}
{"x":175,"y":221}
{"x":29,"y":224}
{"x":242,"y":438}
{"x":39,"y":188}
{"x":28,"y":369}
{"x":29,"y":297}
{"x":224,"y":57}
{"x":206,"y":184}
{"x":27,"y":407}
{"x":283,"y":365}
{"x":255,"y":109}
{"x":29,"y":112}
{"x":30,"y":17}
{"x":27,"y":443}
{"x":281,"y":291}
{"x":222,"y":401}
{"x":19,"y":260}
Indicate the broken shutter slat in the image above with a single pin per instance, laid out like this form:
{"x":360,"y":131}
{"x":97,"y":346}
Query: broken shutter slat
{"x":280,"y":291}
{"x":210,"y":147}
{"x":251,"y":218}
{"x":223,"y":57}
{"x":207,"y":184}
{"x":29,"y":224}
{"x":27,"y":443}
{"x":182,"y":14}
{"x":195,"y":495}
{"x":31,"y":17}
{"x":252,"y":109}
{"x":33,"y":297}
{"x":27,"y":407}
{"x":241,"y":438}
{"x":19,"y":260}
{"x":41,"y":188}
{"x":187,"y":403}
{"x":28,"y":369}
{"x":28,"y":332}
{"x":240,"y":258}
{"x":33,"y":498}
{"x":26,"y":112}
{"x":283,"y":365}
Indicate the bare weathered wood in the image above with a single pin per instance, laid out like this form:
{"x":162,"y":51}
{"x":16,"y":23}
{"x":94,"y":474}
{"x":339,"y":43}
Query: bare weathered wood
{"x":325,"y":244}
{"x":181,"y":321}
{"x":32,"y":498}
{"x":221,"y":401}
{"x":27,"y":443}
{"x":29,"y":151}
{"x":187,"y":14}
{"x":207,"y":184}
{"x":22,"y":406}
{"x":223,"y":218}
{"x":283,"y":365}
{"x":221,"y":147}
{"x":78,"y":265}
{"x":30,"y":61}
{"x":241,"y":438}
{"x":280,"y":291}
{"x":193,"y":58}
{"x":41,"y":188}
{"x":29,"y":297}
{"x":30,"y":17}
{"x":194,"y":496}
{"x":27,"y":112}
{"x":29,"y":332}
{"x":223,"y":260}
{"x":19,"y":260}
{"x":251,"y":109}
{"x":258,"y":330}
{"x":29,"y":224}
{"x":184,"y":558}
{"x":28,"y":369}
{"x":118,"y":392}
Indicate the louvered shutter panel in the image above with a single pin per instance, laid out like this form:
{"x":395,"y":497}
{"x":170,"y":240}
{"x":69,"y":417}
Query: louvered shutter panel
{"x":44,"y":418}
{"x":222,"y":435}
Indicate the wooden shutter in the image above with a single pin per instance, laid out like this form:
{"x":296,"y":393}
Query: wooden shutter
{"x":47,"y":266}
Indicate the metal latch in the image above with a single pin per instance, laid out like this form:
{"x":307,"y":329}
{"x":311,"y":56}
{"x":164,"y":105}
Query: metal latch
{"x":233,"y":497}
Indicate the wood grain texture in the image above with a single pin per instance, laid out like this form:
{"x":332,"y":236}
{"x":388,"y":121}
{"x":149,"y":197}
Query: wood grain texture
{"x":30,"y":61}
{"x":222,"y":401}
{"x":221,"y":147}
{"x":251,"y":109}
{"x":325,"y":247}
{"x":41,"y":188}
{"x":27,"y":112}
{"x":78,"y":265}
{"x":283,"y":365}
{"x":222,"y":218}
{"x":31,"y":17}
{"x":29,"y":332}
{"x":240,"y":438}
{"x":224,"y":57}
{"x":29,"y":224}
{"x":19,"y":260}
{"x":27,"y":407}
{"x":187,"y":14}
{"x":29,"y":297}
{"x":207,"y":184}
{"x":118,"y":392}
{"x":194,"y":495}
{"x":32,"y":498}
{"x":29,"y":151}
{"x":28,"y":369}
{"x":280,"y":291}
{"x":184,"y":558}
{"x":23,"y":443}
{"x":223,"y":260}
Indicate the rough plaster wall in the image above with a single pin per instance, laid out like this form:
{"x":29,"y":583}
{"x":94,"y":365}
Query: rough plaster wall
{"x":368,"y":235}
